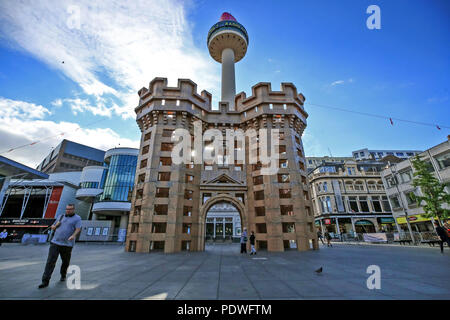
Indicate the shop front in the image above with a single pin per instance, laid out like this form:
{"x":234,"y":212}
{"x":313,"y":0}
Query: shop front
{"x":418,"y":223}
{"x":17,"y":228}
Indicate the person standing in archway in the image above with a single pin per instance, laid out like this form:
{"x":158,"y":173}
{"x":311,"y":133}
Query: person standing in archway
{"x":252,"y":243}
{"x":244,"y":241}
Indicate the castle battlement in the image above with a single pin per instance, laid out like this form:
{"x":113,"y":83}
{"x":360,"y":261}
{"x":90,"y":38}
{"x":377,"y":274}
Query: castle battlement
{"x":185,"y":90}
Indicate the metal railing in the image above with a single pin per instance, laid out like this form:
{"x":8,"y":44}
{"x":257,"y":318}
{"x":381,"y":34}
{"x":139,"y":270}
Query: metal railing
{"x":403,"y":237}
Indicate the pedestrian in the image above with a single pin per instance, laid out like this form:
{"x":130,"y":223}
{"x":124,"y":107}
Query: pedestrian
{"x":65,"y":230}
{"x":244,"y":241}
{"x":3,"y":236}
{"x":328,"y":237}
{"x":319,"y":235}
{"x":442,"y":233}
{"x":252,"y":243}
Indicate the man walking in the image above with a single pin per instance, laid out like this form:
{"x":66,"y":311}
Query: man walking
{"x":66,"y":230}
{"x":442,"y":233}
{"x":252,"y":243}
{"x":328,"y":237}
{"x":244,"y":241}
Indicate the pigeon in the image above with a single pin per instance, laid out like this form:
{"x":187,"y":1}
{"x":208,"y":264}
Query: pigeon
{"x":319,"y":270}
{"x":63,"y":62}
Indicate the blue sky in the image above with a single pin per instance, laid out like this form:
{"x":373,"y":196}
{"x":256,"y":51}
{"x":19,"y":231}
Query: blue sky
{"x":323,"y":47}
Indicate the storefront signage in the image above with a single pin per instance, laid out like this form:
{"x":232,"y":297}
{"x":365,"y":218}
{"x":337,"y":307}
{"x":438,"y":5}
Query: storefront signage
{"x":415,"y":218}
{"x":327,"y":221}
{"x":387,"y":220}
{"x":26,"y":222}
{"x":375,"y":237}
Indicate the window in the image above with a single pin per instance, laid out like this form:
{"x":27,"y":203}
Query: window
{"x":283,"y":178}
{"x":139,"y":193}
{"x":166,"y":146}
{"x":159,"y":227}
{"x":395,"y":202}
{"x":327,"y":169}
{"x":240,"y":196}
{"x":285,"y":193}
{"x":325,"y":187}
{"x":162,"y":192}
{"x":165,"y":161}
{"x":399,"y":154}
{"x":406,"y":176}
{"x":161,"y":209}
{"x":351,"y":170}
{"x":371,"y":185}
{"x":147,"y":136}
{"x":299,"y":153}
{"x":143,"y":163}
{"x":260,"y":211}
{"x":282,"y":150}
{"x":410,"y":198}
{"x":134,"y":227}
{"x":187,"y":211}
{"x":287,"y":210}
{"x":359,"y":186}
{"x":364,"y":204}
{"x":206,"y":196}
{"x":258,"y":180}
{"x":288,"y":227}
{"x":386,"y":205}
{"x":167,"y":133}
{"x":141,"y":178}
{"x":301,"y":165}
{"x":261,"y":228}
{"x":443,"y":160}
{"x":259,"y":195}
{"x":306,"y":195}
{"x":283,"y":163}
{"x":189,"y":178}
{"x":164,"y":176}
{"x":188,"y":194}
{"x":137,"y":210}
{"x":238,"y":167}
{"x":353,"y":204}
{"x":429,"y":166}
{"x":376,"y":204}
{"x":187,"y":228}
{"x":145,"y":149}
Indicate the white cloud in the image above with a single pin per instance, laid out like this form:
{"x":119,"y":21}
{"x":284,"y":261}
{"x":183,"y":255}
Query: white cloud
{"x":20,"y":109}
{"x":57,"y":103}
{"x":21,"y":123}
{"x":117,"y":50}
{"x":338,"y":82}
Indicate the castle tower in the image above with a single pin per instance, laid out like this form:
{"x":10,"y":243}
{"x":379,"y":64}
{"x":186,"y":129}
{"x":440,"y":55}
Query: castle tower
{"x":170,"y":201}
{"x":227,"y":43}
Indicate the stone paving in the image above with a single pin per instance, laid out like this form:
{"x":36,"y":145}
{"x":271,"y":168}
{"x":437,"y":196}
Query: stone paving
{"x":107,"y":272}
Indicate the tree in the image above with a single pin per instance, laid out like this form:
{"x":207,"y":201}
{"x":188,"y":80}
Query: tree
{"x":433,"y":192}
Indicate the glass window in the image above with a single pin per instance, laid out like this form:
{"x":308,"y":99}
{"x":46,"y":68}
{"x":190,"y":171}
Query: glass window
{"x":395,"y":202}
{"x":363,"y":204}
{"x":443,"y":160}
{"x":406,"y":176}
{"x":353,"y":204}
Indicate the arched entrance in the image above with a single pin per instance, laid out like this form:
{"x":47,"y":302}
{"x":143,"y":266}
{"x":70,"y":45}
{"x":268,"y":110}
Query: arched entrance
{"x":364,"y":226}
{"x":222,"y":229}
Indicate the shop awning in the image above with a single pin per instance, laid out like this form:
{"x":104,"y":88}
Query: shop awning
{"x":363,"y":223}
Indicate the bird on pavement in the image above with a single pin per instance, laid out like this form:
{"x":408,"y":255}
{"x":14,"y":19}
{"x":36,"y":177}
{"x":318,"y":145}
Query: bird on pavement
{"x":319,"y":270}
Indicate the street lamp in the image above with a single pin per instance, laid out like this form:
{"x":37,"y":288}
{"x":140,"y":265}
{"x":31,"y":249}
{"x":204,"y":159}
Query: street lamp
{"x":394,"y":172}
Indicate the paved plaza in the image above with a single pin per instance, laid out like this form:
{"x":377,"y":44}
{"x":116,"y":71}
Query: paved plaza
{"x":107,"y":272}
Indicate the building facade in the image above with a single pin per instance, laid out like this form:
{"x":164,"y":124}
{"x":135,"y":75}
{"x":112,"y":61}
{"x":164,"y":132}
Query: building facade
{"x":350,"y":198}
{"x":108,"y":190}
{"x":71,"y":156}
{"x":314,"y":162}
{"x":397,"y":179}
{"x":30,"y":206}
{"x":366,"y":154}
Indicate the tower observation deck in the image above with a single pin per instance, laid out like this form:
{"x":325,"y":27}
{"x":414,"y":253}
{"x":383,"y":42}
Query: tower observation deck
{"x":227,"y":43}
